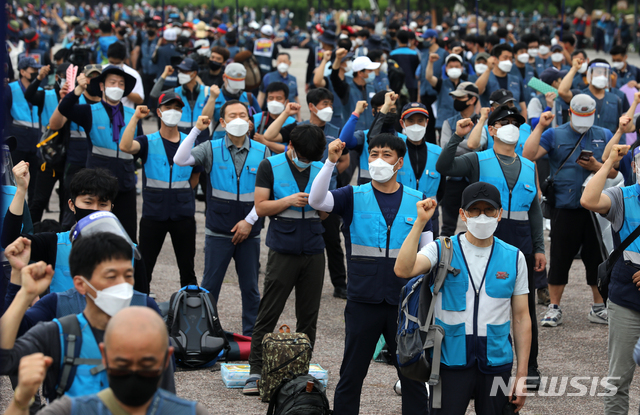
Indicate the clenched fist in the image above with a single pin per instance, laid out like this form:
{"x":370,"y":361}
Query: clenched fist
{"x":141,"y":111}
{"x":203,"y":122}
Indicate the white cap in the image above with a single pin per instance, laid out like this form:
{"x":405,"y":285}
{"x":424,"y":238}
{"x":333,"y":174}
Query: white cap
{"x":267,"y":30}
{"x":170,"y":35}
{"x":236,"y":73}
{"x":362,"y":63}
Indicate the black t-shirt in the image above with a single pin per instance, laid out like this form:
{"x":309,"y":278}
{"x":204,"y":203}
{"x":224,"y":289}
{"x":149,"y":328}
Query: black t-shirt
{"x":418,"y":157}
{"x":264,"y":176}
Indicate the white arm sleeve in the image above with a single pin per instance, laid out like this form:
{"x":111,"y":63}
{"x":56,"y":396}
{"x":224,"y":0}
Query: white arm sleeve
{"x":425,"y":239}
{"x":252,"y":217}
{"x":320,"y":197}
{"x":183,"y":155}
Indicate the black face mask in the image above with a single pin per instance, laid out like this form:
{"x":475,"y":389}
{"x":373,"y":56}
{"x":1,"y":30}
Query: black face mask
{"x":122,"y":32}
{"x":214,"y":66}
{"x":33,"y":76}
{"x":151,"y":33}
{"x":392,"y":35}
{"x":459,"y":105}
{"x":83,"y":213}
{"x":132,"y":389}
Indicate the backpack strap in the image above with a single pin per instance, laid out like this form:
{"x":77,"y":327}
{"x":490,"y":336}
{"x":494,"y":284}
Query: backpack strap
{"x":73,"y":333}
{"x":109,"y":400}
{"x":215,"y":320}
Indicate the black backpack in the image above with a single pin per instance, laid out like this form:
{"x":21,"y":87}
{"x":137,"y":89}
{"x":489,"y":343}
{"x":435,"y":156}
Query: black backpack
{"x":52,"y":150}
{"x":396,"y":76}
{"x":194,"y":327}
{"x":292,"y":398}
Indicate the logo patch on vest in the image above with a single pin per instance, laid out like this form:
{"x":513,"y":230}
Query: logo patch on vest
{"x":501,"y":275}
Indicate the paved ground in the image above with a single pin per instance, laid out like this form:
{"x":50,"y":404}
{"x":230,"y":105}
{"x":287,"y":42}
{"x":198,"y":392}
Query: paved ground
{"x":577,"y":348}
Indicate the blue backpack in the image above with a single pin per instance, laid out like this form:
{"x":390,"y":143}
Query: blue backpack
{"x":419,"y":339}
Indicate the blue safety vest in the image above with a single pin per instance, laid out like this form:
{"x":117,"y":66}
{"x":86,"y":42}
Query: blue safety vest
{"x":609,"y":114}
{"x":341,"y":113}
{"x":166,"y":189}
{"x":622,"y":290}
{"x":163,"y":403}
{"x":219,"y":131}
{"x":444,"y":104}
{"x":525,"y":132}
{"x":631,"y":74}
{"x":190,"y":116}
{"x":529,"y":73}
{"x":514,"y":228}
{"x":231,"y":197}
{"x":50,"y":105}
{"x":146,"y":52}
{"x":62,"y":279}
{"x":513,"y":85}
{"x":257,"y":121}
{"x":26,"y":122}
{"x":374,"y":247}
{"x":105,"y":152}
{"x":568,"y":182}
{"x":356,"y":94}
{"x":363,"y":172}
{"x":478,"y":331}
{"x":295,"y":230}
{"x":72,"y":302}
{"x":429,"y":180}
{"x":77,"y":148}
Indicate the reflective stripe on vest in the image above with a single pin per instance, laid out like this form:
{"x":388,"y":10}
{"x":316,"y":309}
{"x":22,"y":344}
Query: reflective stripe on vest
{"x":76,"y":130}
{"x":62,"y":279}
{"x":225,"y":183}
{"x":102,"y":133}
{"x":157,"y":168}
{"x":24,"y":114}
{"x":189,"y":118}
{"x":285,"y":185}
{"x":356,"y":94}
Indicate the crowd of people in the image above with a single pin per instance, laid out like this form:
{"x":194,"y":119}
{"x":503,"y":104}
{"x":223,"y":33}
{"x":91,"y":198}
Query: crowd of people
{"x":413,"y":129}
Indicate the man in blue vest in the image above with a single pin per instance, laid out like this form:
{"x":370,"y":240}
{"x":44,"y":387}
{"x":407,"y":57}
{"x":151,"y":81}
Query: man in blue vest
{"x":91,"y":190}
{"x":515,"y":178}
{"x":232,"y":227}
{"x":361,"y":88}
{"x":523,"y":70}
{"x":105,"y":40}
{"x":573,"y":227}
{"x":377,"y":218}
{"x":489,"y":294}
{"x":135,"y":347}
{"x":627,"y":74}
{"x":445,"y":85}
{"x":102,"y":266}
{"x":22,"y":119}
{"x":547,"y":102}
{"x":276,"y":93}
{"x":281,"y":74}
{"x":335,"y":82}
{"x":105,"y":122}
{"x":499,"y":76}
{"x":621,"y":206}
{"x":169,"y":204}
{"x":294,"y":238}
{"x":147,"y":47}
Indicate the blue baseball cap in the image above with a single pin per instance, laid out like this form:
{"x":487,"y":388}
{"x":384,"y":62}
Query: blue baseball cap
{"x":429,"y":33}
{"x":102,"y":221}
{"x":28,"y":62}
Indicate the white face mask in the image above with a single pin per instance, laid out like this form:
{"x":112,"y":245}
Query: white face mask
{"x":114,"y":93}
{"x":581,"y":130}
{"x":384,"y":67}
{"x":454,"y":73}
{"x":510,"y":27}
{"x":171,"y":118}
{"x":599,"y":82}
{"x":505,"y":66}
{"x":274,"y":107}
{"x":482,"y":227}
{"x":349,"y":66}
{"x":533,"y":52}
{"x":325,"y":114}
{"x":508,"y":134}
{"x":583,"y":68}
{"x":184,"y":78}
{"x":557,"y":57}
{"x":381,"y":171}
{"x":480,"y":68}
{"x":237,"y":127}
{"x":618,"y":65}
{"x":204,"y":51}
{"x":523,"y":58}
{"x":112,"y":299}
{"x":359,"y":41}
{"x":233,"y":91}
{"x":283,"y":67}
{"x":543,"y":50}
{"x":415,"y":132}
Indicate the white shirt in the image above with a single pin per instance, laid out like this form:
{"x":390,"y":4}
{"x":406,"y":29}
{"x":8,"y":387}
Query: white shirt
{"x":138,"y":89}
{"x":477,"y":260}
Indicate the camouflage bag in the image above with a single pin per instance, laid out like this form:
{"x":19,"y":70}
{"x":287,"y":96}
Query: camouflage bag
{"x":284,"y":355}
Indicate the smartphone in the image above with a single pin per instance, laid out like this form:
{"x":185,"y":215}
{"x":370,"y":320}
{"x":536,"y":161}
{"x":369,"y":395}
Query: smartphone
{"x":585,"y":155}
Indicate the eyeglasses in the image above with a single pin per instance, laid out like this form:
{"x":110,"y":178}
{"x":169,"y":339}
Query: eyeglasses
{"x":505,"y":121}
{"x":475,"y":212}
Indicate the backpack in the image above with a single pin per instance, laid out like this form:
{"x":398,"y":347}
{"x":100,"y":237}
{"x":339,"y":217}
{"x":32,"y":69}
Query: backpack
{"x":396,"y":76}
{"x":293,"y":397}
{"x":251,"y":65}
{"x":418,"y":338}
{"x":194,"y":328}
{"x":52,"y":150}
{"x":284,"y":355}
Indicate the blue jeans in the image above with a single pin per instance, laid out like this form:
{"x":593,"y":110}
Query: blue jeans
{"x":218,"y":253}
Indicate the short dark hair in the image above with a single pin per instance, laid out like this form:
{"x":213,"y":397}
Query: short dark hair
{"x":402,"y":36}
{"x":569,"y":38}
{"x":530,"y":38}
{"x":498,"y":49}
{"x":62,"y":53}
{"x":95,"y":182}
{"x":618,"y":50}
{"x":284,"y":54}
{"x":309,"y":141}
{"x":221,"y":51}
{"x":90,"y":251}
{"x":580,"y":52}
{"x":502,"y":32}
{"x":319,"y":94}
{"x":117,"y":50}
{"x":520,"y":46}
{"x":223,"y":110}
{"x":363,"y":33}
{"x":388,"y":140}
{"x":478,"y":40}
{"x":378,"y":99}
{"x":493,"y":40}
{"x":105,"y":26}
{"x":394,"y":25}
{"x":345,"y":43}
{"x":278,"y":86}
{"x":375,"y":55}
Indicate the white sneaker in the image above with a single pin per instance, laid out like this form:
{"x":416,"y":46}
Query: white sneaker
{"x":397,"y":388}
{"x":553,"y":317}
{"x":599,"y":316}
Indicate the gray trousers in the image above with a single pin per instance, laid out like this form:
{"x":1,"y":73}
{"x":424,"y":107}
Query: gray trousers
{"x":624,"y":331}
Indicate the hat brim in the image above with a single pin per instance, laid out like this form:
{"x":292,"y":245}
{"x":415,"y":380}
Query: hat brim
{"x":236,"y":84}
{"x":579,"y":121}
{"x":178,"y":100}
{"x":517,"y":117}
{"x":129,"y":80}
{"x":326,"y":40}
{"x":185,"y":68}
{"x":503,"y":101}
{"x":489,"y":201}
{"x":460,"y":94}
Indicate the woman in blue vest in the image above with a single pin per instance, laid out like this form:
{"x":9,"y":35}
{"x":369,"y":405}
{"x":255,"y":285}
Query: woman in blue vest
{"x":621,"y":206}
{"x":105,"y":122}
{"x":477,"y":308}
{"x":377,"y":217}
{"x":169,"y":204}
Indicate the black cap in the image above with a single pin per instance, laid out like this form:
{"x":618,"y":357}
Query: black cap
{"x":169,"y":96}
{"x":501,"y":96}
{"x":504,"y":111}
{"x":481,"y":192}
{"x":329,"y":37}
{"x":129,"y":80}
{"x":62,"y":69}
{"x":188,"y":65}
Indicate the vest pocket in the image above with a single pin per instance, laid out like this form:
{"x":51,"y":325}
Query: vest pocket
{"x":454,"y":294}
{"x":219,"y":207}
{"x":499,"y":351}
{"x":454,"y":346}
{"x":362,"y":279}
